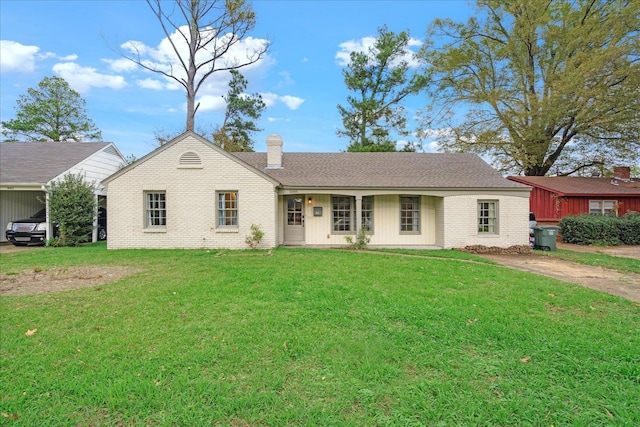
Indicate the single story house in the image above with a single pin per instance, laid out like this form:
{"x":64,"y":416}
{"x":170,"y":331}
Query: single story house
{"x":26,"y":168}
{"x":554,"y":197}
{"x":189,"y":193}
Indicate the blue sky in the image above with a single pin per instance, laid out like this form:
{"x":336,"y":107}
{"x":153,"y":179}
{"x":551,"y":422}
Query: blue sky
{"x":300,"y":78}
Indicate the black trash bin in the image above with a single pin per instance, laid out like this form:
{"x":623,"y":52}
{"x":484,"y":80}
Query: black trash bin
{"x":544,"y":237}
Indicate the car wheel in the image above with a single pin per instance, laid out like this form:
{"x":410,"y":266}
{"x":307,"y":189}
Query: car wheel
{"x":102,"y":234}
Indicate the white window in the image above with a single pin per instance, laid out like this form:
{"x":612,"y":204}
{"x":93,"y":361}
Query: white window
{"x":409,"y":214}
{"x":603,"y":207}
{"x":227,"y":209}
{"x":488,"y":216}
{"x":156,"y":209}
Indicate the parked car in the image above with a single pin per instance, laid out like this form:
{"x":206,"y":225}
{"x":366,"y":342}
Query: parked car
{"x":32,"y":231}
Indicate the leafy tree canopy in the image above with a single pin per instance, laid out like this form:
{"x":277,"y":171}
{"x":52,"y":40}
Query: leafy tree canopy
{"x":239,"y":119}
{"x":549,"y":83}
{"x":380,"y":80}
{"x":51,"y":112}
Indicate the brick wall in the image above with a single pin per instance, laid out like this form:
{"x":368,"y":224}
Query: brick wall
{"x":190,"y":200}
{"x":460,"y":217}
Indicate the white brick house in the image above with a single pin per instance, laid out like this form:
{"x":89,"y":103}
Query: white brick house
{"x":189,"y":193}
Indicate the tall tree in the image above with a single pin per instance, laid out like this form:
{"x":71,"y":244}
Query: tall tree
{"x":51,"y":112}
{"x":206,"y":31}
{"x":547,"y":83}
{"x":239,"y":119}
{"x":381,"y":79}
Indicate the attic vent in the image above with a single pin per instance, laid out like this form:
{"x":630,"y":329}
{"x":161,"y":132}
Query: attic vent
{"x":111,"y":150}
{"x":190,"y":159}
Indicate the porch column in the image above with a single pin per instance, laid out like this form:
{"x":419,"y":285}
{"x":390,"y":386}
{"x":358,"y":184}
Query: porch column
{"x":358,"y":214}
{"x":94,"y":232}
{"x":47,"y":234}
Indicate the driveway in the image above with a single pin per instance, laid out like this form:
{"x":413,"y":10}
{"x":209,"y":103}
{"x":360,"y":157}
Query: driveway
{"x":626,"y":285}
{"x":8,"y":248}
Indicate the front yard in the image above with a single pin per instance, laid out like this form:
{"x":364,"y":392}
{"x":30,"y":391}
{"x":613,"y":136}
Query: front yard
{"x":312,"y":337}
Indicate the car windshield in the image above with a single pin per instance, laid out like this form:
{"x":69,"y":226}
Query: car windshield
{"x":42,"y":213}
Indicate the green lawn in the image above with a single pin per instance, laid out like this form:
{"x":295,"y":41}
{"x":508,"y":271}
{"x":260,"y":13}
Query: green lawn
{"x":314,"y":337}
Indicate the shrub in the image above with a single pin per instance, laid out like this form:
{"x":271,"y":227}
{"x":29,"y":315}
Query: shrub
{"x":361,"y":241}
{"x":253,"y":240}
{"x":601,"y":230}
{"x":72,"y":206}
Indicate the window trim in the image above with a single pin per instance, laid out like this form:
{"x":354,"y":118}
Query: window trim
{"x":602,"y":203}
{"x":417,"y":201}
{"x":371,"y":227}
{"x":148,"y":209}
{"x":218,"y":213}
{"x":495,"y":218}
{"x":351,"y":211}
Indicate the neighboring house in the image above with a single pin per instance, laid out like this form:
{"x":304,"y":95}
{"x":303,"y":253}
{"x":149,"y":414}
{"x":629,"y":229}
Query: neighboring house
{"x":26,"y":168}
{"x":189,"y":193}
{"x":554,"y":197}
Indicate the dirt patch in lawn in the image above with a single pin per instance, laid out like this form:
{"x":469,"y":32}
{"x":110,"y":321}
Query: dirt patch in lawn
{"x":60,"y":279}
{"x":626,"y":285}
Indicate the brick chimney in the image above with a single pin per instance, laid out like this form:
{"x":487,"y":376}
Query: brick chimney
{"x":274,"y":151}
{"x":622,"y":172}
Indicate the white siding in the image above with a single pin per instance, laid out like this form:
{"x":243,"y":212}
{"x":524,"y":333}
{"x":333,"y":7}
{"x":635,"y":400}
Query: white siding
{"x":96,"y":168}
{"x":190,"y":201}
{"x":18,"y":205}
{"x":386,"y":227}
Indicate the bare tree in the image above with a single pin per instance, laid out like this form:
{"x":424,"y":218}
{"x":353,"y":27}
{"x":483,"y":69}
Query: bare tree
{"x":209,"y":29}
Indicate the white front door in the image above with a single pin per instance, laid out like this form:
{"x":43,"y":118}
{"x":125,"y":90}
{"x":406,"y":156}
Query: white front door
{"x":294,"y":220}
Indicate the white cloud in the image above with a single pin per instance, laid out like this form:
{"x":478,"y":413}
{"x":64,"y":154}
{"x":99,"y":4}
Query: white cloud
{"x":211,"y":103}
{"x":269,"y":99}
{"x":293,"y":102}
{"x":47,"y":55}
{"x":164,"y":58}
{"x":84,"y":78}
{"x":121,"y":65}
{"x":71,"y":57}
{"x":150,"y":84}
{"x":15,"y":56}
{"x":276,"y":119}
{"x":366,"y":43}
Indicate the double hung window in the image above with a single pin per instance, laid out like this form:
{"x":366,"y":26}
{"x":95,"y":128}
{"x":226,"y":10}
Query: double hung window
{"x":227,"y":211}
{"x":367,"y":213}
{"x":155,"y":209}
{"x":342,"y":213}
{"x":409,"y":214}
{"x":488,"y":217}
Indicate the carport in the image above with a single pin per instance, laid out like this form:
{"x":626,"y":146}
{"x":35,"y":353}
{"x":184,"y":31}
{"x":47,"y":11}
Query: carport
{"x":27,"y":168}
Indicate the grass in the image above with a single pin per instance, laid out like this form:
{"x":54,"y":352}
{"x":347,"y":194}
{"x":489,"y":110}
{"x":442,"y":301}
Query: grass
{"x":312,"y":337}
{"x":622,"y":264}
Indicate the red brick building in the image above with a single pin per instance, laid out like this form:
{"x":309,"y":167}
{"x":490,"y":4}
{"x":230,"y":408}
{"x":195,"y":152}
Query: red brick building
{"x":554,"y":197}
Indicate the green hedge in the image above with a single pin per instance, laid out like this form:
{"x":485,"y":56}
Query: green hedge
{"x":601,"y":230}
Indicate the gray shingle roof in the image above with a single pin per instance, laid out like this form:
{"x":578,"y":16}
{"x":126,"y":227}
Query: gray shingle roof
{"x":40,"y":162}
{"x":382,"y":170}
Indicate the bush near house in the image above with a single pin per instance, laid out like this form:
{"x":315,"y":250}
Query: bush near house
{"x":72,"y":206}
{"x":601,"y":230}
